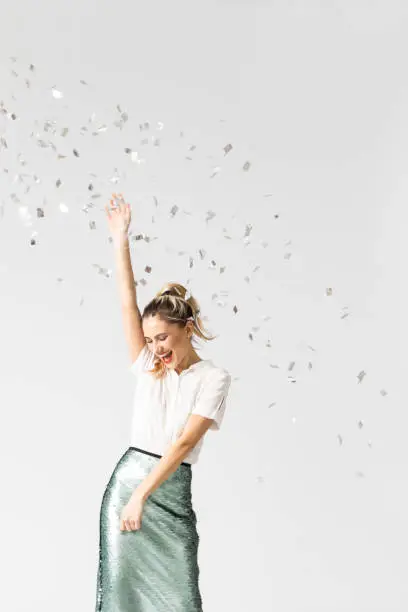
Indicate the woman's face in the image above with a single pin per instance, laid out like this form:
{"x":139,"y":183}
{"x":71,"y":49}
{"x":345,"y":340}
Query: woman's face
{"x":162,"y":337}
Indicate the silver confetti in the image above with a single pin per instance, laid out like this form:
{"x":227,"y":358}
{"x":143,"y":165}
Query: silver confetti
{"x":210,"y":215}
{"x":246,"y":166}
{"x":103,"y":271}
{"x":135,"y":157}
{"x":227,"y":149}
{"x":361,"y":376}
{"x":57,"y":94}
{"x":50,"y":126}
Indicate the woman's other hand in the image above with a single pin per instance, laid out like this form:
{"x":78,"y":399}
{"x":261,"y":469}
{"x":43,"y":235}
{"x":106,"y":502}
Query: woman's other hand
{"x":131,"y":515}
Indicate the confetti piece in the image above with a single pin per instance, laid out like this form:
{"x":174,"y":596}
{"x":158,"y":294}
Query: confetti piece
{"x":361,"y":376}
{"x":103,"y":271}
{"x":57,"y":94}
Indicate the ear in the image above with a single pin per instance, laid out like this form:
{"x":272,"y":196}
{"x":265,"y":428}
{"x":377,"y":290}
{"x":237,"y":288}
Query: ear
{"x":189,"y":328}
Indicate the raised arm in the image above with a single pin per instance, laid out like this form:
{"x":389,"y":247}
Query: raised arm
{"x":119,"y":217}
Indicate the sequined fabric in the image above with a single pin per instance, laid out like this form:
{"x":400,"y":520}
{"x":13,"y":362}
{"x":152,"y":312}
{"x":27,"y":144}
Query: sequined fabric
{"x":155,"y":568}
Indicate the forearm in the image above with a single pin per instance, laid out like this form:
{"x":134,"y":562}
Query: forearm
{"x":164,"y":468}
{"x":124,"y":270}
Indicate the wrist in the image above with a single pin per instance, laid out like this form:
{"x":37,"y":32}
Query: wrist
{"x":121,"y":242}
{"x":138,"y":493}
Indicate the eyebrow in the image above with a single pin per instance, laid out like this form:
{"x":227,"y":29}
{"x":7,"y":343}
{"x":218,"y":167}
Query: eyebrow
{"x":161,"y":333}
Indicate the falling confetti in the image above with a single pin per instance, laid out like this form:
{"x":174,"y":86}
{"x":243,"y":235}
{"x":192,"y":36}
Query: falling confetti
{"x":361,"y":376}
{"x":57,"y":94}
{"x":103,"y":271}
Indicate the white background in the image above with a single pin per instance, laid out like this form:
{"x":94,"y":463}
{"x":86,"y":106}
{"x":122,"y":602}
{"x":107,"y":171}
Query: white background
{"x":300,"y":508}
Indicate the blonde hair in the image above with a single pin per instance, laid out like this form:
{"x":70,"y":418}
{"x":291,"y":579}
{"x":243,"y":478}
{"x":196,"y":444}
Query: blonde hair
{"x":171,"y":304}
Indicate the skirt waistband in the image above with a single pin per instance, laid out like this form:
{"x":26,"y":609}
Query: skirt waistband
{"x":141,"y":450}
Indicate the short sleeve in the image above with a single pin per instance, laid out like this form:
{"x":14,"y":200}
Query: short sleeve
{"x":144,"y":361}
{"x":212,"y":397}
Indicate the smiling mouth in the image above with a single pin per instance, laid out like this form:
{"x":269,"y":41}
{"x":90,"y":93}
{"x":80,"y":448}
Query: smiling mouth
{"x":167,"y":357}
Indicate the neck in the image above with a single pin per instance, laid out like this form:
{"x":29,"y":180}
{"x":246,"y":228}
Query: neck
{"x":187,"y":362}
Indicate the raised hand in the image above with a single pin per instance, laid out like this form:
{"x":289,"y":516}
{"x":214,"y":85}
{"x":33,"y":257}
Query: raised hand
{"x":119,"y":216}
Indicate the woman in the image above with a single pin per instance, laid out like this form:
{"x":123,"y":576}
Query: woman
{"x":148,"y":546}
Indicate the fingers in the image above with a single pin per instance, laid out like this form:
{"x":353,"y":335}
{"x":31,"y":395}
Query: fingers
{"x":118,"y":202}
{"x":129,"y":525}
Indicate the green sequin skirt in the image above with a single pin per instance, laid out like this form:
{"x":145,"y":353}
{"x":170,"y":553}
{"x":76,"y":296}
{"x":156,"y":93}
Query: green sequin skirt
{"x":154,"y":568}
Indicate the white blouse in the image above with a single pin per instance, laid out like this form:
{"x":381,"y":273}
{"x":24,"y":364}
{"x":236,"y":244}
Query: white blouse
{"x":162,"y":406}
